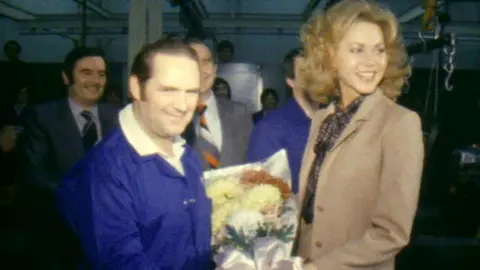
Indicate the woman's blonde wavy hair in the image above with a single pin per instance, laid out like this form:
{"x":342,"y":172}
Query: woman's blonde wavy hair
{"x":324,"y":31}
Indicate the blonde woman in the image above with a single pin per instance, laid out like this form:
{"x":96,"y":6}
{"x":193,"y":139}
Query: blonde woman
{"x":362,"y":166}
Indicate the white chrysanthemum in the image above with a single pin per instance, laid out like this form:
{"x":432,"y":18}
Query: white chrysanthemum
{"x":222,"y":191}
{"x":221,"y":215}
{"x":261,"y":196}
{"x":246,"y":220}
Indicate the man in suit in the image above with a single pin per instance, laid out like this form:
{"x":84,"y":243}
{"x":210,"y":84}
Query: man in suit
{"x":221,"y":130}
{"x":57,"y":134}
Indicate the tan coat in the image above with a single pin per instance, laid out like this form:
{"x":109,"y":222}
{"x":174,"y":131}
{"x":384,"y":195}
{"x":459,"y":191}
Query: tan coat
{"x":367,"y":191}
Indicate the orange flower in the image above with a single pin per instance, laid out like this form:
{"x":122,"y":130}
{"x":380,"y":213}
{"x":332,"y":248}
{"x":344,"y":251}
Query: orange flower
{"x":262,"y":177}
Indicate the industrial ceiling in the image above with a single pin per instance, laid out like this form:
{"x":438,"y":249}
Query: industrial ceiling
{"x":282,"y":17}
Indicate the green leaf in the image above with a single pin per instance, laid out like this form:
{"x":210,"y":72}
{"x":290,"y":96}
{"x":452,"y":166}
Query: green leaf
{"x":238,"y":239}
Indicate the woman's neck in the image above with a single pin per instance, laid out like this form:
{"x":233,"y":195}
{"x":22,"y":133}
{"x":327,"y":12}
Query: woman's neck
{"x":347,"y":97}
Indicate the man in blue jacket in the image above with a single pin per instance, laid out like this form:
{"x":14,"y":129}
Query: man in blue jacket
{"x":286,"y":127}
{"x":136,"y":201}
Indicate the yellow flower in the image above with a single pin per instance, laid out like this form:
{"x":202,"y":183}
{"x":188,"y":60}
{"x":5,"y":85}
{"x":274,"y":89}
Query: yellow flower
{"x":261,"y":196}
{"x":222,"y":214}
{"x":222,"y":191}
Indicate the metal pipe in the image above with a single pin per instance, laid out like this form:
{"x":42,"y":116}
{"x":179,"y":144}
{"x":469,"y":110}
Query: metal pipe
{"x":195,"y":13}
{"x":411,"y":14}
{"x":428,"y":45}
{"x":15,"y":13}
{"x":96,"y":8}
{"x":427,"y":38}
{"x":221,"y":21}
{"x":83,"y":29}
{"x":463,"y":39}
{"x":119,"y":33}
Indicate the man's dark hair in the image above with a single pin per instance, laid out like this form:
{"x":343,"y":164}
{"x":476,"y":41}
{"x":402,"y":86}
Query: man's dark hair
{"x":142,"y":66}
{"x":225,"y":44}
{"x":220,"y":80}
{"x":190,"y":40}
{"x":289,"y":62}
{"x":79,"y":53}
{"x":268,"y":92}
{"x":173,"y":36}
{"x":12,"y":44}
{"x":194,"y":40}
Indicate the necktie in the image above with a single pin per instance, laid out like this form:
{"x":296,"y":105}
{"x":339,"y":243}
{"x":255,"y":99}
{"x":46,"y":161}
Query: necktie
{"x":89,"y":131}
{"x":205,"y":143}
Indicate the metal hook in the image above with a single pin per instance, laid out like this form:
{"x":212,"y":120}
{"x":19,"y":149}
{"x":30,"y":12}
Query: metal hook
{"x":438,"y":28}
{"x":448,"y":85}
{"x":420,"y":35}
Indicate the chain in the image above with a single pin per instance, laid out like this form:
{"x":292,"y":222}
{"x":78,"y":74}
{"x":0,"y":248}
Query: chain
{"x":449,"y":66}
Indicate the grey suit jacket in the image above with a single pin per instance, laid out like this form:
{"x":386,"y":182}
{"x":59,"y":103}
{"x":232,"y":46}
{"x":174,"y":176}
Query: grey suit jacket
{"x":236,"y":123}
{"x":53,"y":143}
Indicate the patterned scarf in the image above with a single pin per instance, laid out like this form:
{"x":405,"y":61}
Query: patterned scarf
{"x":330,"y":131}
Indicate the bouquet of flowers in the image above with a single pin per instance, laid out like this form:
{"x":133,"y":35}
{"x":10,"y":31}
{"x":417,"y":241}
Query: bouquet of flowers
{"x":254,"y":218}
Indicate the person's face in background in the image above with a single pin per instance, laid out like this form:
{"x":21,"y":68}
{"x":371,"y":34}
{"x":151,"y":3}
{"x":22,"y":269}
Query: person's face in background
{"x":167,"y":101}
{"x":89,"y":80}
{"x":222,"y":90}
{"x":208,"y":68}
{"x":22,"y":96}
{"x":12,"y":52}
{"x":225,"y":55}
{"x":269,"y":102}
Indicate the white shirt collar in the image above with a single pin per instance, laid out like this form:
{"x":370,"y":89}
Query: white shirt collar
{"x":77,"y":109}
{"x":212,"y":108}
{"x":212,"y":116}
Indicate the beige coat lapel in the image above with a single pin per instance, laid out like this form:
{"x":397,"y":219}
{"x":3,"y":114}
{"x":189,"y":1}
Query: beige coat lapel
{"x":309,"y":155}
{"x":363,"y":114}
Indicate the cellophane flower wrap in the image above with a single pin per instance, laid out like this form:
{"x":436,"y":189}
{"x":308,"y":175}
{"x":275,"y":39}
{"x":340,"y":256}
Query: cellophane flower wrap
{"x":254,"y":219}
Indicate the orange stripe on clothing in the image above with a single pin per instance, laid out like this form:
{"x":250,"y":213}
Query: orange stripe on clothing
{"x":211,"y":159}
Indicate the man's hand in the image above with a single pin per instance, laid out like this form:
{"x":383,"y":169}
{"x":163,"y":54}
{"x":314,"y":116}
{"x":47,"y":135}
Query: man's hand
{"x":8,"y":138}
